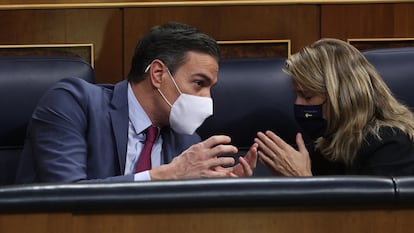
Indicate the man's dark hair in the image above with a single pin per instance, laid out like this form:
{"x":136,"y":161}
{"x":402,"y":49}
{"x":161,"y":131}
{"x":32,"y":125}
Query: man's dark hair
{"x":170,"y":43}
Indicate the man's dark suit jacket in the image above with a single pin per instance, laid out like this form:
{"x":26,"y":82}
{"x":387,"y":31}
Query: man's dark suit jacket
{"x":79,"y":132}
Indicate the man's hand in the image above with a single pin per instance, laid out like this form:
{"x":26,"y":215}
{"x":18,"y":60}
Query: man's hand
{"x":200,"y":161}
{"x":247,"y":163}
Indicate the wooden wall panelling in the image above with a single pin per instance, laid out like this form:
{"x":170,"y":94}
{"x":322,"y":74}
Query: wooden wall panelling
{"x":102,"y":27}
{"x":376,"y":43}
{"x":298,"y":23}
{"x":394,"y":20}
{"x":255,"y":48}
{"x":84,"y":51}
{"x":241,"y":220}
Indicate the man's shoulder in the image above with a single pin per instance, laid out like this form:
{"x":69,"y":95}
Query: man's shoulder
{"x":81,"y":87}
{"x":79,"y":83}
{"x":79,"y":90}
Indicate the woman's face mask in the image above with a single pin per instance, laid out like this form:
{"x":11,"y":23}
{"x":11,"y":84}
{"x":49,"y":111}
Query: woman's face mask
{"x":310,"y":119}
{"x":189,"y":111}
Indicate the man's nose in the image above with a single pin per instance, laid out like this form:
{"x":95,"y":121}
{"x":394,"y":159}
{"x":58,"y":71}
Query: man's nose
{"x":207,"y":93}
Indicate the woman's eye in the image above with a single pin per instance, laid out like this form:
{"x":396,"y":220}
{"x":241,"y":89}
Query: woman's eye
{"x":308,"y":97}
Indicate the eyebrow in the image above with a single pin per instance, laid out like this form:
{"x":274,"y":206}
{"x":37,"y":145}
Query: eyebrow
{"x":204,"y":76}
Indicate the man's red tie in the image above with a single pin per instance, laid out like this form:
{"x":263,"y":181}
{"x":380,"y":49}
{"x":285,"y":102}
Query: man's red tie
{"x":144,"y":161}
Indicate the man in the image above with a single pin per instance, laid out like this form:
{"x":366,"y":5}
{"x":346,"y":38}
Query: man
{"x":82,"y":132}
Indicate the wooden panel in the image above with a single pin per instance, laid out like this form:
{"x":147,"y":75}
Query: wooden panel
{"x":299,"y":23}
{"x":37,"y":223}
{"x":48,"y":4}
{"x":218,"y":220}
{"x":114,"y":32}
{"x":376,"y":43}
{"x":84,"y":51}
{"x":367,"y":20}
{"x":254,"y":48}
{"x":101,"y":27}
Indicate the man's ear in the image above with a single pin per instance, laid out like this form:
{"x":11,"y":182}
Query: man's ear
{"x":155,"y":72}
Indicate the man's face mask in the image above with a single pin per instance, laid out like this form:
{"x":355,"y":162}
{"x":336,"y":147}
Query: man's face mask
{"x":310,"y":119}
{"x":189,"y":111}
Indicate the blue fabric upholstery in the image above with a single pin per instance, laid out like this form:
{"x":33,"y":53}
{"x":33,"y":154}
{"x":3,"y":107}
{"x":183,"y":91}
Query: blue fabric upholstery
{"x":396,"y":66}
{"x":23,"y":80}
{"x":254,"y":94}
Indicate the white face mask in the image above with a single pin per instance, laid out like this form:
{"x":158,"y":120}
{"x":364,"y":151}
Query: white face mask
{"x":189,"y":111}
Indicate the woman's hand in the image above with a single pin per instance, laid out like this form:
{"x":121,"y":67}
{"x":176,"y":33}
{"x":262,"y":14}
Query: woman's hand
{"x":282,"y":158}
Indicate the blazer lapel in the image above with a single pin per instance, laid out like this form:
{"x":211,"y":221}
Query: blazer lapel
{"x":168,"y":148}
{"x":119,"y":121}
{"x":174,"y":144}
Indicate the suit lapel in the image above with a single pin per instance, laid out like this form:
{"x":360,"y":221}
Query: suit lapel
{"x":168,"y":148}
{"x":119,"y":121}
{"x":174,"y":144}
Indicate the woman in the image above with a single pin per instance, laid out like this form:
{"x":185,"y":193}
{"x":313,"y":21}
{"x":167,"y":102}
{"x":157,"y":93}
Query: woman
{"x":353,"y":118}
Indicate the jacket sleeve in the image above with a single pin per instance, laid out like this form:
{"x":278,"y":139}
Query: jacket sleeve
{"x":57,"y":137}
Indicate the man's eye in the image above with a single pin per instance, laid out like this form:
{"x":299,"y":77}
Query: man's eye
{"x":199,"y":83}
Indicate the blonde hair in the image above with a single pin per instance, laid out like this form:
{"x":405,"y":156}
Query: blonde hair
{"x":358,"y":102}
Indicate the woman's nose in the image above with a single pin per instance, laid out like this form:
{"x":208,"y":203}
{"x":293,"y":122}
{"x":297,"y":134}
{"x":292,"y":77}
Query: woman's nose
{"x":299,"y":101}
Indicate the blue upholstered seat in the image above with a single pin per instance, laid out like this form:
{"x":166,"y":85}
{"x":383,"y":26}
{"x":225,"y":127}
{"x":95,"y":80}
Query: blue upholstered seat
{"x":23,"y":80}
{"x":254,"y":94}
{"x":396,"y":66}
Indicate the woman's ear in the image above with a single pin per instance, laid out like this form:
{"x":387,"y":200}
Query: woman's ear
{"x":155,"y":72}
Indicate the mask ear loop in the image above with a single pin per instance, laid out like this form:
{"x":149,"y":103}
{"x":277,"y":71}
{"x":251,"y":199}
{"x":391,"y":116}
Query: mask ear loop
{"x":172,"y":78}
{"x":176,"y":86}
{"x":162,"y":95}
{"x":169,"y":73}
{"x":165,"y":98}
{"x":146,"y":69}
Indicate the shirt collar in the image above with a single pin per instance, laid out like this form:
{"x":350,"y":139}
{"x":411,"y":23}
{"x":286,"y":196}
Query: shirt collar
{"x":137,"y":116}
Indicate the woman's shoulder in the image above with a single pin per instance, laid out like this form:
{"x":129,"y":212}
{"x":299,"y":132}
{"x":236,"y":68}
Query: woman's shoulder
{"x":385,"y":133}
{"x":391,"y":152}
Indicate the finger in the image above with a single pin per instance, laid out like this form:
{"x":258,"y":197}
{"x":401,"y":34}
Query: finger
{"x":266,"y":145}
{"x":269,"y":166}
{"x":301,"y":143}
{"x":251,"y":155}
{"x":220,"y":150}
{"x":264,"y":138}
{"x":228,"y":170}
{"x":216,"y":140}
{"x":281,"y":147}
{"x":269,"y":163}
{"x":217,"y":174}
{"x":233,"y":175}
{"x":221,"y":161}
{"x":268,"y":142}
{"x":277,"y":140}
{"x":248,"y":171}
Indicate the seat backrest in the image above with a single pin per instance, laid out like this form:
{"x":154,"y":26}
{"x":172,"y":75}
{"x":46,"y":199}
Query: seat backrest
{"x":396,"y":67}
{"x":252,"y":94}
{"x":23,"y":80}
